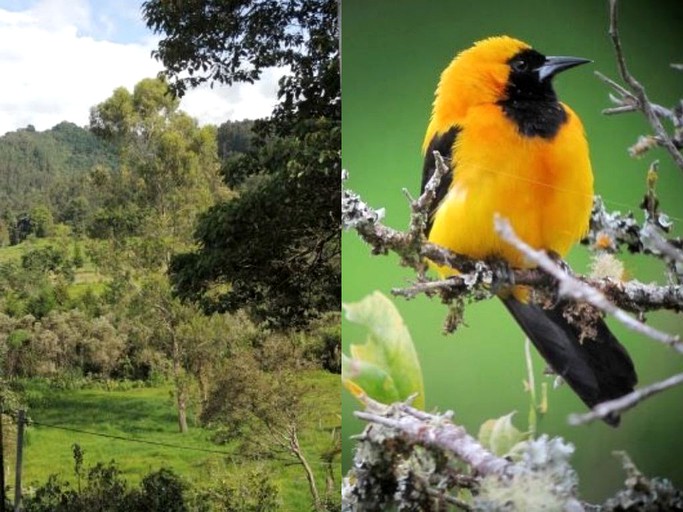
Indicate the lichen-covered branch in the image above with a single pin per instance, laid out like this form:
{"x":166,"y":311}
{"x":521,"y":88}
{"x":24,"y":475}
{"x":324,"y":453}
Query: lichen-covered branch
{"x":414,"y":460}
{"x":610,"y":230}
{"x":569,"y":286}
{"x":410,"y":246}
{"x":445,"y":436}
{"x":479,"y":279}
{"x":643,"y":493}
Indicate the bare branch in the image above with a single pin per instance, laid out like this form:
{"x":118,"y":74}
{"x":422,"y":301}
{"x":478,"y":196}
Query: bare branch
{"x":571,"y":287}
{"x":627,"y":102}
{"x":638,"y":91}
{"x":625,"y":402}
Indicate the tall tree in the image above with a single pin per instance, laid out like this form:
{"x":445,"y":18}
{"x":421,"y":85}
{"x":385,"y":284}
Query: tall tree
{"x":168,"y":169}
{"x":168,"y":174}
{"x":275,"y":247}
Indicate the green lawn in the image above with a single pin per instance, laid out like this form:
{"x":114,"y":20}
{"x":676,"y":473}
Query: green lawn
{"x":148,"y":414}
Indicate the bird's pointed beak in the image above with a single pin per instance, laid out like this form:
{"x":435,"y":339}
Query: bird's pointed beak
{"x":554,"y":65}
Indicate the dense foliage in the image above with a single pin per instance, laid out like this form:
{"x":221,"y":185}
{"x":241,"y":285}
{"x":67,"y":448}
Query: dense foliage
{"x":275,"y":248}
{"x":102,"y":487}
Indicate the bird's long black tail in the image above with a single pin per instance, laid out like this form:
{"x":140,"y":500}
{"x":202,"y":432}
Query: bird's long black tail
{"x":597,"y":369}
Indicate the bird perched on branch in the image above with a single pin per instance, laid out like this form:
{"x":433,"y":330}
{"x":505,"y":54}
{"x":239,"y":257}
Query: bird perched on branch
{"x":516,"y":151}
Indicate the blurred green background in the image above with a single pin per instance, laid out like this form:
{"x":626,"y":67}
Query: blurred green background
{"x":393,"y":52}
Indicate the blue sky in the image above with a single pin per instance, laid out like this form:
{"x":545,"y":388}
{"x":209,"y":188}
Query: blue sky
{"x":58,"y":58}
{"x":119,"y":21}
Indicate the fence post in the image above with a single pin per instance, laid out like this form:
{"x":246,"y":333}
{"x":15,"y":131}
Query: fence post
{"x":20,"y":450}
{"x":2,"y":461}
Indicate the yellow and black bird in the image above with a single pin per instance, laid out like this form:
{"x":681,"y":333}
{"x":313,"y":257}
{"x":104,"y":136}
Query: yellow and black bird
{"x":516,"y":151}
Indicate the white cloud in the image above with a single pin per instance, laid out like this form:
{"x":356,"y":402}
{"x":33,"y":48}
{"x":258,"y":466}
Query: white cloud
{"x":52,"y":73}
{"x":242,"y":101}
{"x":55,"y":14}
{"x":56,"y":64}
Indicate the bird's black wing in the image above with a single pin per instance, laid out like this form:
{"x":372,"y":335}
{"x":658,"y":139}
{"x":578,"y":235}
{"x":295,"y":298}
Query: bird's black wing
{"x":443,"y":143}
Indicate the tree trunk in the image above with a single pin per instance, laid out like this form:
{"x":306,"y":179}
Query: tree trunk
{"x":180,"y":388}
{"x":182,"y":411}
{"x":296,"y":450}
{"x":203,"y":383}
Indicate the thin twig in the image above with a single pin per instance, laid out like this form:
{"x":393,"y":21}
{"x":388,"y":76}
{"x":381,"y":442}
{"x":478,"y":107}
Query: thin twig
{"x":571,"y":287}
{"x":639,"y":91}
{"x":628,"y":102}
{"x":625,"y":402}
{"x":449,"y":498}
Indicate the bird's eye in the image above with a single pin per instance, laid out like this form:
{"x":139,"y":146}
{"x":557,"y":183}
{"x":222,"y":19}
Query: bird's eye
{"x":520,"y":65}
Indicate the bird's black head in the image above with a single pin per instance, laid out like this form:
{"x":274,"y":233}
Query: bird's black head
{"x":530,"y":99}
{"x":531,"y":74}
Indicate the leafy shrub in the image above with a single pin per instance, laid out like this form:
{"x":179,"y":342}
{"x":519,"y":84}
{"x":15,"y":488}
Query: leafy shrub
{"x":105,"y":490}
{"x":251,"y":491}
{"x":161,"y":491}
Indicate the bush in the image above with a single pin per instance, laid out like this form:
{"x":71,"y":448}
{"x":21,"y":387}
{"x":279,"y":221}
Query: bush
{"x":251,"y":491}
{"x":324,"y":343}
{"x":161,"y":491}
{"x":106,"y":491}
{"x":44,"y":301}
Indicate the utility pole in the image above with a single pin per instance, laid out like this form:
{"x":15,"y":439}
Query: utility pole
{"x":20,"y":449}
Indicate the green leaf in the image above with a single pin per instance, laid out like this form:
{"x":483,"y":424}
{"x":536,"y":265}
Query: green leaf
{"x":385,"y":367}
{"x":499,"y":435}
{"x":362,"y":378}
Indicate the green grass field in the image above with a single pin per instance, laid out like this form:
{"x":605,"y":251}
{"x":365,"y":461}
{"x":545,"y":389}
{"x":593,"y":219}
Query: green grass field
{"x":13,"y":253}
{"x":149,"y":414}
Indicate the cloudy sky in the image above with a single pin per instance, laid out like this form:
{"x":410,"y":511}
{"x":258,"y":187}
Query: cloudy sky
{"x":58,"y":58}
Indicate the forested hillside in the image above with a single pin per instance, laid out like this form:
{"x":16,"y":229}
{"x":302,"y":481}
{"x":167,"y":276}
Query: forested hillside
{"x":46,"y":173}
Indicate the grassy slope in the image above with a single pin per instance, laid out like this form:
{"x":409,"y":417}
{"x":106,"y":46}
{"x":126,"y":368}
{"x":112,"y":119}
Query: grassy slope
{"x":86,"y":277}
{"x":148,"y":413}
{"x":15,"y":252}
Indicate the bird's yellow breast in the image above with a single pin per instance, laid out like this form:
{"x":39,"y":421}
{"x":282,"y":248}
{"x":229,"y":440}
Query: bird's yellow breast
{"x":544,"y":187}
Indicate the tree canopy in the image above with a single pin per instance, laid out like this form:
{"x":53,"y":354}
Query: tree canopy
{"x":229,"y":41}
{"x":275,"y":247}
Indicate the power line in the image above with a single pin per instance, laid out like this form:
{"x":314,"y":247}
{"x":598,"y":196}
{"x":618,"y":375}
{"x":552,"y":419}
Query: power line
{"x":146,"y":441}
{"x":131,"y":439}
{"x":31,"y":422}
